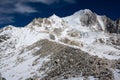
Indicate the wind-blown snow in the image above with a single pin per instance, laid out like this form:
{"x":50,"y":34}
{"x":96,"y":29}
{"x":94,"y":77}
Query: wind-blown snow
{"x":101,"y":22}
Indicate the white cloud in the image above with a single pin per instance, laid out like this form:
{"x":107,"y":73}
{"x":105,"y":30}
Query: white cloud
{"x":45,"y":1}
{"x":13,"y":6}
{"x":51,"y":1}
{"x":8,"y":7}
{"x":21,"y":8}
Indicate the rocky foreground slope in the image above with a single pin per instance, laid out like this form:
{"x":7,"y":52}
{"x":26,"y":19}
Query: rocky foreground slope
{"x":83,"y":46}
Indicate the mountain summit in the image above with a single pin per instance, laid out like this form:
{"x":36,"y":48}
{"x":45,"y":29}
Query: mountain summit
{"x":77,"y":47}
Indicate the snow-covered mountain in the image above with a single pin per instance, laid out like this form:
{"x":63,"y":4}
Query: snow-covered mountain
{"x":50,"y":48}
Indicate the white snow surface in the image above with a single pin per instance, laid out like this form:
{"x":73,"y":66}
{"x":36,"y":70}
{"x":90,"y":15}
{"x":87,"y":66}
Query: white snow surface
{"x":11,"y":65}
{"x":116,"y":73}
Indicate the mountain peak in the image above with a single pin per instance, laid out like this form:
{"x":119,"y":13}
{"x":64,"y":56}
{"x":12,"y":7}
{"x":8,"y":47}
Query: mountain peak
{"x":84,"y":11}
{"x":55,"y":17}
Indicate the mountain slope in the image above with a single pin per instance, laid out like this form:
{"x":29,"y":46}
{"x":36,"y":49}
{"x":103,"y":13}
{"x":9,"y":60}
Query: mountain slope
{"x":49,"y":48}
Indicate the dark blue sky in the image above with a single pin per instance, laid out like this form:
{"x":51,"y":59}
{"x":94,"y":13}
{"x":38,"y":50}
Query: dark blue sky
{"x":22,"y":12}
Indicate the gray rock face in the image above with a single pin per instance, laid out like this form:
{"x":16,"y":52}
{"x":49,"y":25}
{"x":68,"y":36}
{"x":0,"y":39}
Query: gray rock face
{"x":4,"y":38}
{"x":111,"y":26}
{"x":52,"y":36}
{"x":115,"y":39}
{"x":88,"y":18}
{"x":39,"y":22}
{"x":118,"y":25}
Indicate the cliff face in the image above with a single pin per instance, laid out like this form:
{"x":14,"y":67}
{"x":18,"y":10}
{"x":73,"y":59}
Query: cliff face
{"x":112,"y":26}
